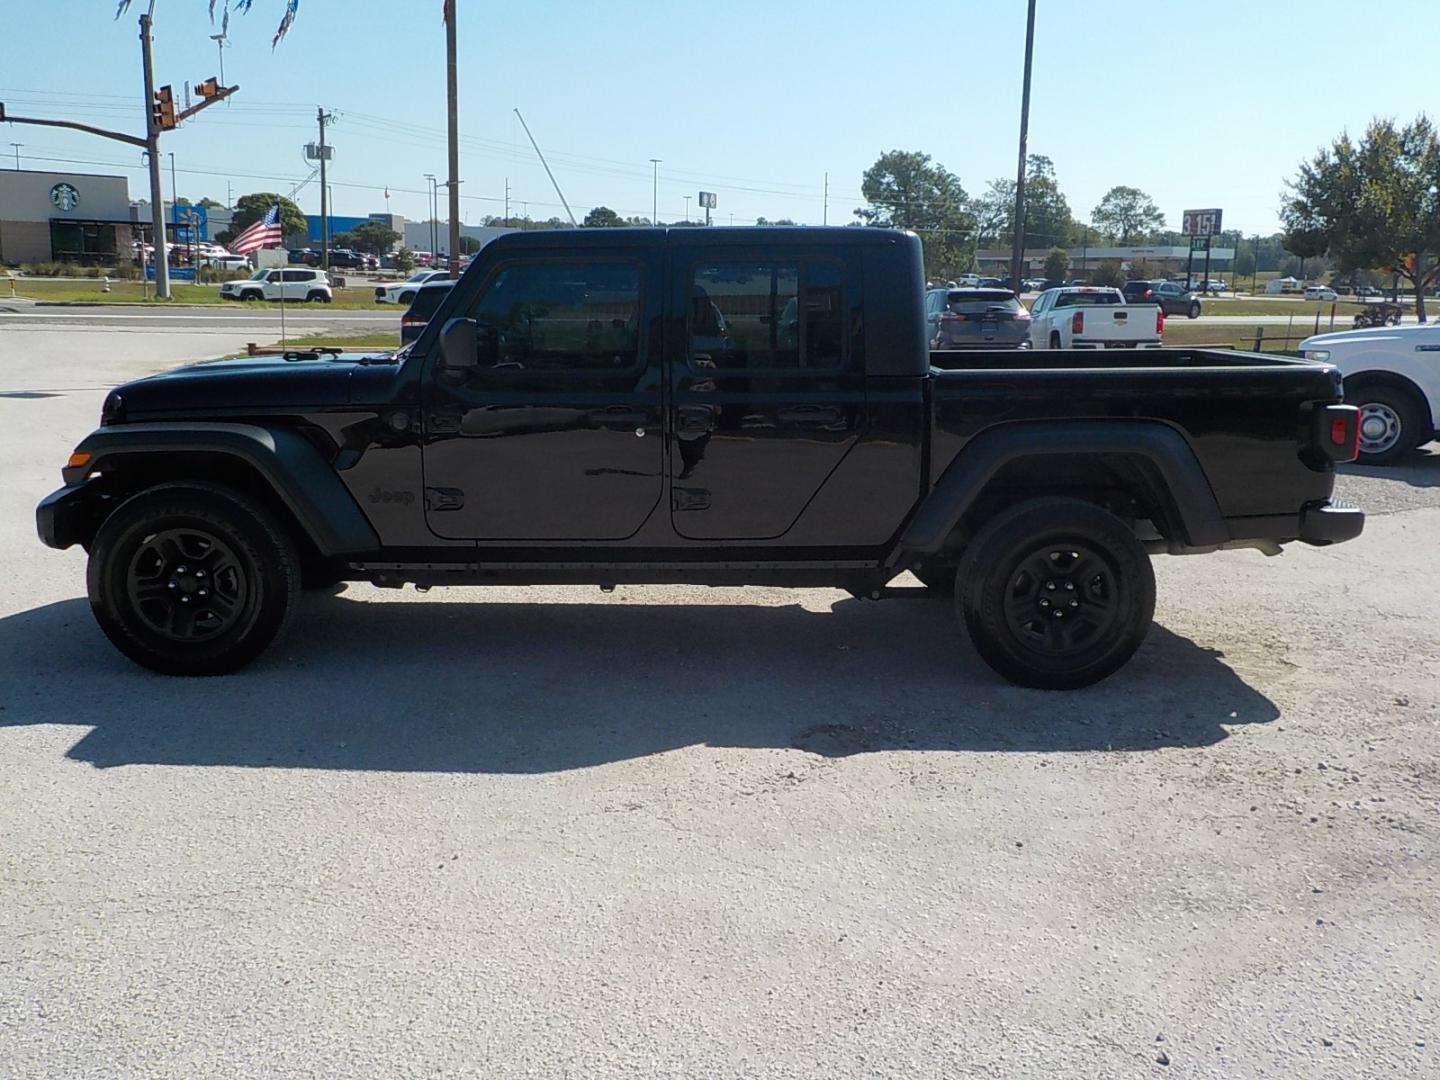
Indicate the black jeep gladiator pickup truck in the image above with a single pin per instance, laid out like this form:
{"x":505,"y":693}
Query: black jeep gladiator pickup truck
{"x":712,"y":406}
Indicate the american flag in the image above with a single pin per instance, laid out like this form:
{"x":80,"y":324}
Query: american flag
{"x":264,"y":233}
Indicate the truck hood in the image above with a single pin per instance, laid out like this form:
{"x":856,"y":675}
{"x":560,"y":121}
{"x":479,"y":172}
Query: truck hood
{"x":261,"y":382}
{"x":1403,"y":337}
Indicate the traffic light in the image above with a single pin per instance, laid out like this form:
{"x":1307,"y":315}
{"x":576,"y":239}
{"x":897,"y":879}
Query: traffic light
{"x":162,"y":113}
{"x":207,"y":89}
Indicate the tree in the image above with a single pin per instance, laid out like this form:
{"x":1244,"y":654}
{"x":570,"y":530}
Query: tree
{"x":1244,"y":264}
{"x":1376,"y":203}
{"x":602,"y":217}
{"x":404,"y":260}
{"x":343,"y":240}
{"x":905,"y":190}
{"x":777,"y":222}
{"x":1057,"y":264}
{"x":374,"y":237}
{"x":1108,"y":273}
{"x":1127,"y":215}
{"x":469,"y":245}
{"x":251,"y":208}
{"x":1306,"y":243}
{"x":210,"y":204}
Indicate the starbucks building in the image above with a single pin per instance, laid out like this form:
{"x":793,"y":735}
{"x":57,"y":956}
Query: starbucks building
{"x":68,"y":217}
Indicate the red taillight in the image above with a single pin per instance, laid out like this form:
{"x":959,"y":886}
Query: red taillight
{"x":1339,"y":431}
{"x":951,"y":316}
{"x":408,"y":320}
{"x":1149,"y":293}
{"x":1077,"y":323}
{"x":1159,"y":321}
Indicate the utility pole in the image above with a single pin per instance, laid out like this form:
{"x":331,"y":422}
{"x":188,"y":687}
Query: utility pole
{"x":453,"y":94}
{"x":323,"y":118}
{"x":687,"y":209}
{"x":1017,"y":249}
{"x":655,"y":191}
{"x":152,"y":153}
{"x":17,"y":146}
{"x":507,"y":202}
{"x":430,"y":183}
{"x":825,"y":212}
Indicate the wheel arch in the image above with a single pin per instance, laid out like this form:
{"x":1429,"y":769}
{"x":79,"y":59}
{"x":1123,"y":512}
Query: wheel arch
{"x":279,"y":466}
{"x":1395,"y":381}
{"x":1147,"y":461}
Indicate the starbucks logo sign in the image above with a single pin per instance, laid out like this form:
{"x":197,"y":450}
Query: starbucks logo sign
{"x":65,"y":196}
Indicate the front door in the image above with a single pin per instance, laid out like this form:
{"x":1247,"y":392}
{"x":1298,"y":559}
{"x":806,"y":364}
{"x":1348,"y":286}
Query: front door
{"x":559,"y":438}
{"x":768,"y":386}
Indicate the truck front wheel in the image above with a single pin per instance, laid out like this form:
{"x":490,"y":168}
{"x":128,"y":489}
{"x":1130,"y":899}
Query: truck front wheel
{"x":1056,"y":593}
{"x":192,"y":578}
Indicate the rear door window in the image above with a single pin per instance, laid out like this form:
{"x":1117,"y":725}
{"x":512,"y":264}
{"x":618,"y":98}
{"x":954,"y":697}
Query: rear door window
{"x":762,"y":316}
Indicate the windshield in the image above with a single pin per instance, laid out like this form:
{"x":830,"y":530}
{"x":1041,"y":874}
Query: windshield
{"x":419,"y":275}
{"x":260,"y":275}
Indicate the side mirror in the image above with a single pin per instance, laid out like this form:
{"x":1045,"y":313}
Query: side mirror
{"x":457,"y":346}
{"x":466,"y":345}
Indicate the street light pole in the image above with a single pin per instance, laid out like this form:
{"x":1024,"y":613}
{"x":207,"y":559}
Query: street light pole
{"x":430,"y":180}
{"x":152,"y":152}
{"x":654,"y":190}
{"x":17,"y":146}
{"x":453,"y":96}
{"x":1018,"y":245}
{"x":687,"y":209}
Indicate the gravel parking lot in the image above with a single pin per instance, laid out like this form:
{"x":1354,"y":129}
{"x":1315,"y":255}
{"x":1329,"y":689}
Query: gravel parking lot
{"x":681,"y":831}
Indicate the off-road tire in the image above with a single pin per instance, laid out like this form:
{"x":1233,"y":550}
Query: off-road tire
{"x":1051,"y":554}
{"x":176,"y":533}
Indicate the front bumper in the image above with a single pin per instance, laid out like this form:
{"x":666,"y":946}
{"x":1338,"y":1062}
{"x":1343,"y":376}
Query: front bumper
{"x":1331,"y":523}
{"x":67,"y":516}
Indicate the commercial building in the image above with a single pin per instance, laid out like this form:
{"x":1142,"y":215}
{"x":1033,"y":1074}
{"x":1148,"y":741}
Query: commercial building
{"x":70,"y":217}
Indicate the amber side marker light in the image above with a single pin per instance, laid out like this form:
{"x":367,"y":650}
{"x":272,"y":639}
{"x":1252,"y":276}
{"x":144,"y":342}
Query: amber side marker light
{"x":78,"y":460}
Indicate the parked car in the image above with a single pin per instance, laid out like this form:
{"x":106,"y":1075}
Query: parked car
{"x":226,"y":261}
{"x":303,"y":257}
{"x":402,"y":292}
{"x":976,"y":319}
{"x":346,"y":259}
{"x":289,"y":283}
{"x":1320,"y":292}
{"x":533,"y":437}
{"x":1368,"y":291}
{"x":1170,"y":296}
{"x":1093,"y":317}
{"x":1033,"y":285}
{"x":1392,"y":374}
{"x":427,"y":301}
{"x":992,"y":283}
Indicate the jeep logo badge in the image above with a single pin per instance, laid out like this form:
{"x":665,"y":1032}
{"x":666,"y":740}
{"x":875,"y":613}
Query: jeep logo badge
{"x":65,"y":196}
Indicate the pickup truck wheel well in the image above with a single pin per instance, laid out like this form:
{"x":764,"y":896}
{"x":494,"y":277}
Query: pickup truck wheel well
{"x":130,"y":474}
{"x":1127,"y":485}
{"x":1358,"y":382}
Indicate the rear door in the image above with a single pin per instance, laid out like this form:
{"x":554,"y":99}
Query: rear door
{"x":560,"y":439}
{"x":768,"y":385}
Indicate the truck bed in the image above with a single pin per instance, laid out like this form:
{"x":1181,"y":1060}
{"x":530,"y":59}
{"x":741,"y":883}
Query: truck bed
{"x":1242,"y":413}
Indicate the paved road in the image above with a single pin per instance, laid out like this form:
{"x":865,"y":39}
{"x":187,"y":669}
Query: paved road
{"x":690,"y":832}
{"x":253,"y":321}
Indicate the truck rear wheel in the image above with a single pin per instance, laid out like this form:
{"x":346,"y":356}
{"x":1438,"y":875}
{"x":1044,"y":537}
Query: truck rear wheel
{"x":192,"y":579}
{"x":1056,"y":593}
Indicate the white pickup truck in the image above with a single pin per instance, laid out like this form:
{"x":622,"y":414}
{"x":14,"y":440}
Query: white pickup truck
{"x":1393,"y":374}
{"x":1085,"y":317}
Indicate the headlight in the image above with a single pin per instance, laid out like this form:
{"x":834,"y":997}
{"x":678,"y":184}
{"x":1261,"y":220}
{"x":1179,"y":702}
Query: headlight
{"x":113,"y":411}
{"x":1320,"y":356}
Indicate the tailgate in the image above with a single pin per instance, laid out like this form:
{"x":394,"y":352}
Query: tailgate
{"x":1120,"y":324}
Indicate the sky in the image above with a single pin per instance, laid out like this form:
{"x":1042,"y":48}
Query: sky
{"x":1199,"y":105}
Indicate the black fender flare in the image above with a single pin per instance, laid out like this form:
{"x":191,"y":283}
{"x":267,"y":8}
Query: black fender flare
{"x":292,"y":466}
{"x":987,"y":453}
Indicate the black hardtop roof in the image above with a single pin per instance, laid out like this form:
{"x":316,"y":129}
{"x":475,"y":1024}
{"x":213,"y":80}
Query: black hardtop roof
{"x":718,"y":236}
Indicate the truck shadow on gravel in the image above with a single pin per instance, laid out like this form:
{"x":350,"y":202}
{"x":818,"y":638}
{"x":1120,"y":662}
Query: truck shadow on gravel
{"x":400,"y":684}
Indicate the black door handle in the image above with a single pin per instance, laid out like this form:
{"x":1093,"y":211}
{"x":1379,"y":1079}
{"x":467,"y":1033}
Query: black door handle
{"x":808,"y":414}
